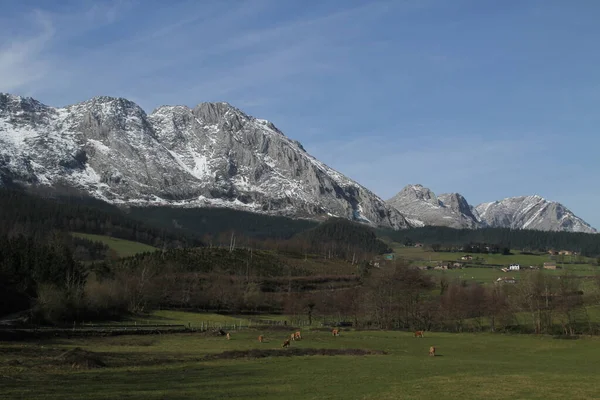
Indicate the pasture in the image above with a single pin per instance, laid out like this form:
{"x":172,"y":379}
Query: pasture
{"x":484,"y":268}
{"x":124,"y":248}
{"x":194,"y":365}
{"x":424,"y":256}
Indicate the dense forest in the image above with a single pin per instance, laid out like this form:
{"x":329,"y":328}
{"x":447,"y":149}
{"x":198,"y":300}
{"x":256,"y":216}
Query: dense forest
{"x":211,"y":221}
{"x":27,"y":263}
{"x":30,"y":215}
{"x":585,"y":243}
{"x":249,"y":262}
{"x":343,"y":238}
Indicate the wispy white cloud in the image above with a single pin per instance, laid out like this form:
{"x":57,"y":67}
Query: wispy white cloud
{"x":23,"y":60}
{"x":198,"y":52}
{"x":29,"y":62}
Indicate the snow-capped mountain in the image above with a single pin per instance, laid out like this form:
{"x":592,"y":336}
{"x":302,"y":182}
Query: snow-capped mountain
{"x":211,"y":155}
{"x":531,"y":212}
{"x":422,"y":207}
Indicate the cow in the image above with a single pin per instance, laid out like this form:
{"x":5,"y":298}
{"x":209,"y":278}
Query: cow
{"x":286,"y":343}
{"x":228,"y":336}
{"x":335,"y":332}
{"x":419,"y":334}
{"x":297,"y":336}
{"x":261,"y":338}
{"x":292,"y":336}
{"x":432,"y":351}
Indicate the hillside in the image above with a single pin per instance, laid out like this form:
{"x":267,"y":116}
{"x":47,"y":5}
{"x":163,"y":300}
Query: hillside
{"x":123,"y":248}
{"x":342,"y":238}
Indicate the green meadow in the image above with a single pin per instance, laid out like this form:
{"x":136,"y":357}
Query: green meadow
{"x":174,"y":366}
{"x":123,"y":248}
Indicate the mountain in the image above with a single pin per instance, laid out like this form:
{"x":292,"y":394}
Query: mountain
{"x":531,"y":212}
{"x":209,"y":155}
{"x":422,"y":207}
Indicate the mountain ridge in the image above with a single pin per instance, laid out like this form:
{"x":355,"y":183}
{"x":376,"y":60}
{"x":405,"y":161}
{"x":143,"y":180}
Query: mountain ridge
{"x":422,"y":207}
{"x":216,"y":155}
{"x":210,"y":155}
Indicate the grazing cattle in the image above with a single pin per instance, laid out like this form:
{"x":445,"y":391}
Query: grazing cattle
{"x":261,"y":338}
{"x":286,"y":343}
{"x":419,"y":334}
{"x":293,"y":336}
{"x":297,"y":336}
{"x":335,"y":332}
{"x":228,"y":336}
{"x":432,"y":351}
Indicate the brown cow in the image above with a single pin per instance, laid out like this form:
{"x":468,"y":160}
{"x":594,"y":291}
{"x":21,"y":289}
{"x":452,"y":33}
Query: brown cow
{"x":335,"y":332}
{"x":286,"y":343}
{"x":432,"y":351}
{"x":228,"y":336}
{"x":297,"y":336}
{"x":419,"y":334}
{"x":261,"y":338}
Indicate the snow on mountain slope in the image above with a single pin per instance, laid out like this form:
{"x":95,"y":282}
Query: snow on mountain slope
{"x":422,"y":207}
{"x":210,"y":155}
{"x":531,"y":212}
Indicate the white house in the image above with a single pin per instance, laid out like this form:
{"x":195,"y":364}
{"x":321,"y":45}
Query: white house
{"x":514,"y":267}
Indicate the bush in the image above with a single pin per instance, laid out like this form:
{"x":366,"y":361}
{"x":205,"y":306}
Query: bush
{"x":104,"y":299}
{"x":51,"y":305}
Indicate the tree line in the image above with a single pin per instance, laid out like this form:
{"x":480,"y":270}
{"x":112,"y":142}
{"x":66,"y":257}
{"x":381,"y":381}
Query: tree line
{"x":523,"y":239}
{"x":25,"y":214}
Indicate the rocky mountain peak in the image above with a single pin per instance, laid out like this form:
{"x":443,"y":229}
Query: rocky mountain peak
{"x":456,"y":202}
{"x":418,"y":192}
{"x":215,"y":113}
{"x":211,"y":155}
{"x":17,"y":105}
{"x":531,"y":212}
{"x":453,"y":210}
{"x":422,"y":207}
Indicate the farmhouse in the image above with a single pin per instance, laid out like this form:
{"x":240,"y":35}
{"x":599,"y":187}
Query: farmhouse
{"x":549,"y":265}
{"x":565,"y":253}
{"x":419,"y":245}
{"x":514,"y":267}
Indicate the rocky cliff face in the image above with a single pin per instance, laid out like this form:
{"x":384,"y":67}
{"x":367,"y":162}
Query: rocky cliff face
{"x":422,"y":207}
{"x":531,"y":212}
{"x":210,"y":155}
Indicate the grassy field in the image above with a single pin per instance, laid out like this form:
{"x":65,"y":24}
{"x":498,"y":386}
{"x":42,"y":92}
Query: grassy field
{"x":424,"y":256}
{"x":468,"y":366}
{"x":486,"y":270}
{"x":124,"y":248}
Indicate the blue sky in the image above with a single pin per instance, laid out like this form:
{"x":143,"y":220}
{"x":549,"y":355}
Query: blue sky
{"x":490,"y":99}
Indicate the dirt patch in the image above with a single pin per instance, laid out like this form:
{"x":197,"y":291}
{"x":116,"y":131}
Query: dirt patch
{"x":144,"y":341}
{"x":78,"y":358}
{"x":258,"y":353}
